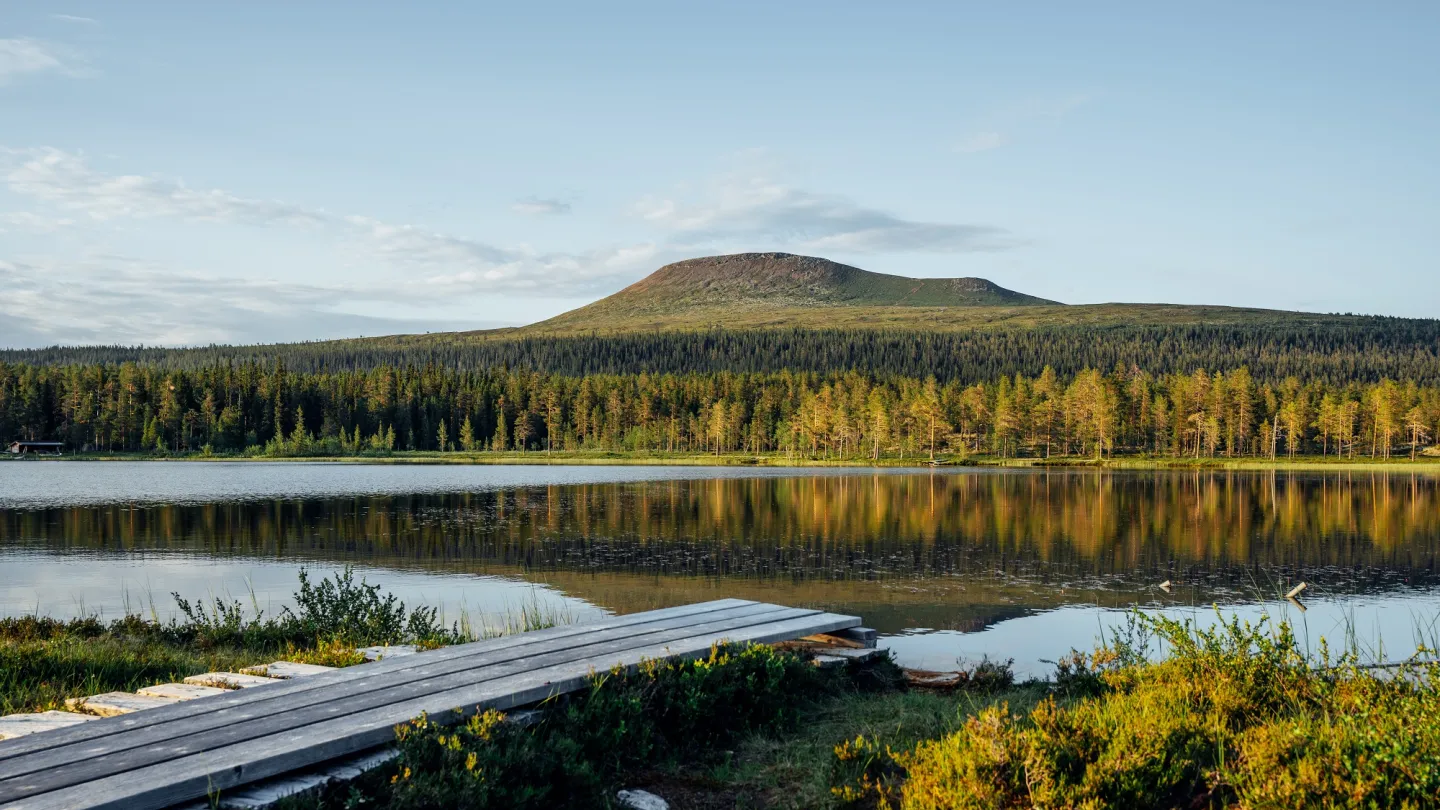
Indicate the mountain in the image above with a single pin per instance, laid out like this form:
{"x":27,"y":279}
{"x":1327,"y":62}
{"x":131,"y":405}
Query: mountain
{"x":782,"y":290}
{"x":752,"y":285}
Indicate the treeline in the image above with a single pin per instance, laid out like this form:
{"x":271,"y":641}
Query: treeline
{"x":252,"y":408}
{"x":1331,"y":349}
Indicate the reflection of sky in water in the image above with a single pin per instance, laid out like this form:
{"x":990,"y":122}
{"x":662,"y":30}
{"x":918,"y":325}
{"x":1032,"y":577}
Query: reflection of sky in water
{"x":1379,"y":628}
{"x":34,"y":484}
{"x":81,"y":584}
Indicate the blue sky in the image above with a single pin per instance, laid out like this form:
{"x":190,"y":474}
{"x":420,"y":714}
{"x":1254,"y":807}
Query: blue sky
{"x":187,"y":173}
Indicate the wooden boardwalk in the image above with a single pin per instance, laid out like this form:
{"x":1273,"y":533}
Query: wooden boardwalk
{"x":184,"y":751}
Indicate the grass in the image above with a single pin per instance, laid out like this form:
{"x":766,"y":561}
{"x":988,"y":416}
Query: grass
{"x":44,"y":661}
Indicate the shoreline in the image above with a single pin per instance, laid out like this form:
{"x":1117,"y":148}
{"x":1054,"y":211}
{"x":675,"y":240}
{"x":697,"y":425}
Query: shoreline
{"x":541,"y":458}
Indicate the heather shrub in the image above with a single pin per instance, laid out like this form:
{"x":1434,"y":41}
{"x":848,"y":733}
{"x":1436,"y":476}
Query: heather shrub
{"x":1231,"y":716}
{"x":663,"y":712}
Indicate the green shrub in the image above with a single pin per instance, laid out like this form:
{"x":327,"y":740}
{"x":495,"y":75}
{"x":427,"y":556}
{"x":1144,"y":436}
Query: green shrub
{"x":662,"y":713}
{"x":1233,"y":716}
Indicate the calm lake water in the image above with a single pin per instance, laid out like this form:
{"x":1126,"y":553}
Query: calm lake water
{"x":950,"y":564}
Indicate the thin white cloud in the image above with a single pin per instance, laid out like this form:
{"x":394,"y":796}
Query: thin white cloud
{"x":115,"y":299}
{"x":23,"y":55}
{"x":65,"y":180}
{"x":30,"y":222}
{"x":535,"y":206}
{"x":758,"y":213}
{"x":74,"y":18}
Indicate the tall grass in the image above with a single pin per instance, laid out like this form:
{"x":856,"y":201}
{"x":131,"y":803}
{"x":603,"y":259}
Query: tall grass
{"x":44,"y":661}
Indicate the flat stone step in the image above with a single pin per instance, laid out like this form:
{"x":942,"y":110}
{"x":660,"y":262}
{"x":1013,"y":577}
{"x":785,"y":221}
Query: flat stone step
{"x":181,"y":691}
{"x":286,"y":670}
{"x":229,"y":680}
{"x":387,"y":651}
{"x":860,"y":637}
{"x":110,"y":704}
{"x":18,"y":725}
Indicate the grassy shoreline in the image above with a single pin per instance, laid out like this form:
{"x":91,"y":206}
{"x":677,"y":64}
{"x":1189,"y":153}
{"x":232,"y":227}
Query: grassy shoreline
{"x":608,"y":458}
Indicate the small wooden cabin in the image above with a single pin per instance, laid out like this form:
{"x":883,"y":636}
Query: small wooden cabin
{"x":36,"y":448}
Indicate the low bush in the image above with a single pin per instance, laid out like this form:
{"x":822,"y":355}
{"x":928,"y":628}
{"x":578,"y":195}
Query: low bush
{"x":1233,"y":716}
{"x":663,"y":713}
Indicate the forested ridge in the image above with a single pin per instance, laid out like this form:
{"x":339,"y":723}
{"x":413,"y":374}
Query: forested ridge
{"x":270,"y":409}
{"x":1336,"y":350}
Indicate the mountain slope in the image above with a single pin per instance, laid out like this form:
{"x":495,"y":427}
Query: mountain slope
{"x":757,"y":282}
{"x":781,"y":290}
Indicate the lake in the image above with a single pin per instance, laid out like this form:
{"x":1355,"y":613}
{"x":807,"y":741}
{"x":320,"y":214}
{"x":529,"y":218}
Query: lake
{"x":948,"y":564}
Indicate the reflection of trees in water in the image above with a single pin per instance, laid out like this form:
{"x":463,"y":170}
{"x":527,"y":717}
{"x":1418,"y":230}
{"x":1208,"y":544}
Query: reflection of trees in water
{"x":1062,"y":524}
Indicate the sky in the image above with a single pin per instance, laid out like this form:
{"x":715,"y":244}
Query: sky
{"x":191,"y":173}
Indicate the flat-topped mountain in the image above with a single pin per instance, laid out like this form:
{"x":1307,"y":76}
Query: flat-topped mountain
{"x":753,"y":283}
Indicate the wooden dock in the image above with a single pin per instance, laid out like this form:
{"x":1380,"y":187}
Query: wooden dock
{"x":184,"y":751}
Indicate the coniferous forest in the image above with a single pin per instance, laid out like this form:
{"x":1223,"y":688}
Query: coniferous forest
{"x":256,"y":408}
{"x":1335,"y":349}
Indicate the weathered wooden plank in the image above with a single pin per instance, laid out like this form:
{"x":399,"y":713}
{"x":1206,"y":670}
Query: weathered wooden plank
{"x":40,"y":772}
{"x":287,"y":711}
{"x":192,"y":776}
{"x":273,"y":689}
{"x":19,"y":725}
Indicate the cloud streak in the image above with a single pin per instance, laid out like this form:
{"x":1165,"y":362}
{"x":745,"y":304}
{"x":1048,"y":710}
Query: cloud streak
{"x":66,"y":181}
{"x":114,"y":299}
{"x":535,"y":207}
{"x":760,"y":213}
{"x":22,"y":56}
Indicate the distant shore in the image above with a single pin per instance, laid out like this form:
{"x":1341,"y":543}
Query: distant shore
{"x":541,"y":457}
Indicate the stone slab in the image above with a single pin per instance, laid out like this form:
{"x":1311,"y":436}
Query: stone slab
{"x":387,"y":651}
{"x":110,"y":704}
{"x":286,"y":670}
{"x":229,"y":680}
{"x":181,"y":691}
{"x":18,"y":725}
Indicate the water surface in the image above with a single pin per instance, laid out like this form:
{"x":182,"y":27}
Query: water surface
{"x":947,"y":564}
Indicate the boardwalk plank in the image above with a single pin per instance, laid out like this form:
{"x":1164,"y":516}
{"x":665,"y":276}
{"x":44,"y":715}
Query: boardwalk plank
{"x":187,"y":757}
{"x":349,"y":696}
{"x":276,"y":688}
{"x":167,"y":783}
{"x":165,"y":744}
